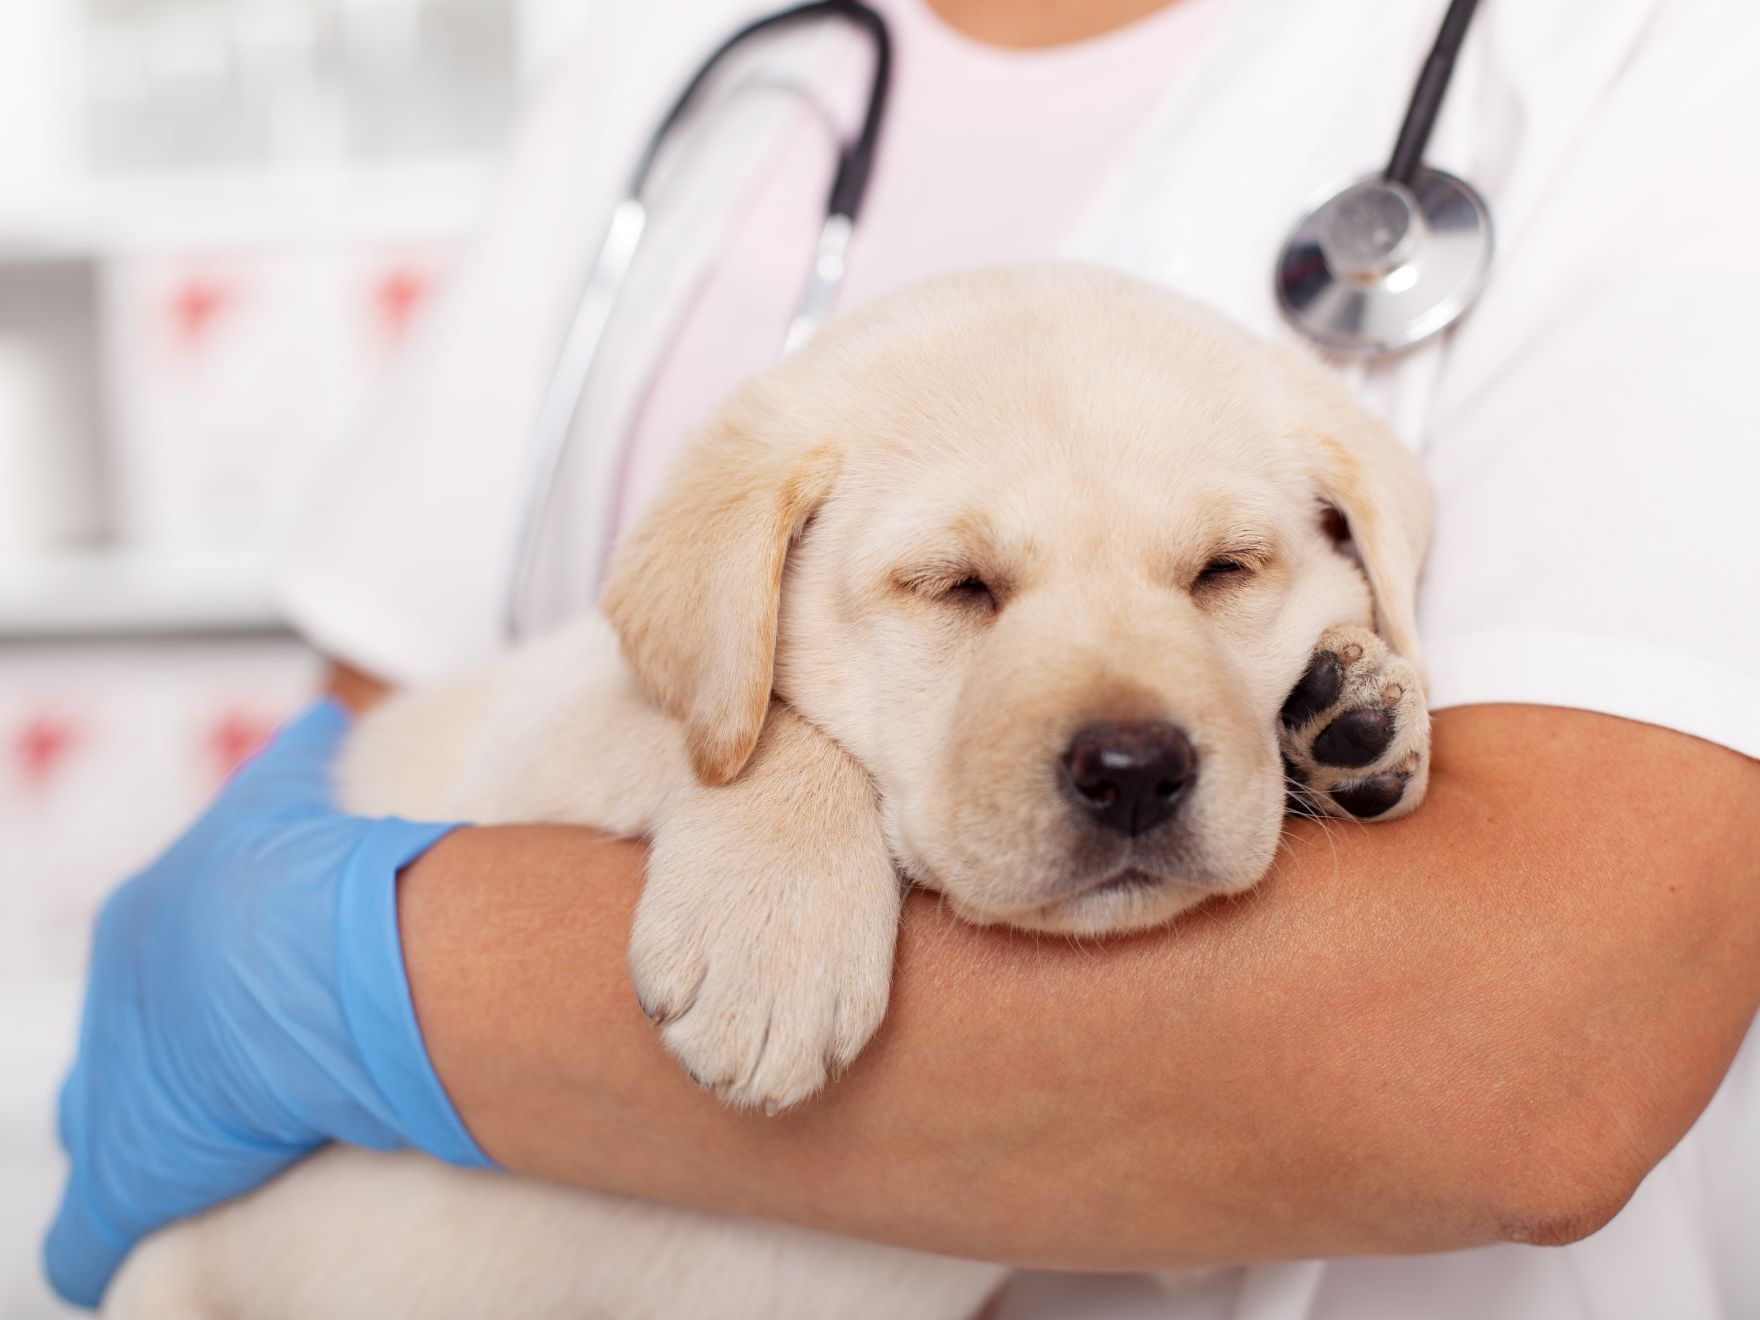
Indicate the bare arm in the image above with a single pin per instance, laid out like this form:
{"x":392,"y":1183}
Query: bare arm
{"x":1487,"y":1021}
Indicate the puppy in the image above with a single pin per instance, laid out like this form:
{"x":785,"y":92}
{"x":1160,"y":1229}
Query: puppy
{"x":1040,"y":587}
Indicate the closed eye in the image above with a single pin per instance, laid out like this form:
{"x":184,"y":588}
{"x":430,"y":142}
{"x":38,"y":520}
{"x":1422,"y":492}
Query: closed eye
{"x":971,"y":590}
{"x":1221,"y":573}
{"x":1235,"y":565}
{"x":948,"y":584}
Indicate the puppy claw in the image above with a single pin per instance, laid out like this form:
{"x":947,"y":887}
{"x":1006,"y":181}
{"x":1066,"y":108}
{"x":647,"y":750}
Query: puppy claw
{"x":701,"y":1082}
{"x":1355,"y":732}
{"x":662,"y":1005}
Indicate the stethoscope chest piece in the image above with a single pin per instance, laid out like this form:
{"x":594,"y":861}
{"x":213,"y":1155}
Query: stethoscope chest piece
{"x":1380,"y":265}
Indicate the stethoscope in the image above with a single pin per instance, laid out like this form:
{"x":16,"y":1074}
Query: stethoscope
{"x":1378,"y":266}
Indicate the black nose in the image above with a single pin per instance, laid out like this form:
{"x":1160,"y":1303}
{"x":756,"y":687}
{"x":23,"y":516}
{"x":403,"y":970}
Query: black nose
{"x":1129,"y":777}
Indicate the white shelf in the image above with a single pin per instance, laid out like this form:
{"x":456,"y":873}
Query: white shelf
{"x":97,"y":594}
{"x":246,"y":208}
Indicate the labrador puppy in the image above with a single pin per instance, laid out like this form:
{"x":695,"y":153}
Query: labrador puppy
{"x":1042,"y":588}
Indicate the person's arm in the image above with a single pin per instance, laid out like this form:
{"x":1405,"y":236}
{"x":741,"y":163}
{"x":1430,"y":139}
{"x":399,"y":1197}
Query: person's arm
{"x":1486,"y":1022}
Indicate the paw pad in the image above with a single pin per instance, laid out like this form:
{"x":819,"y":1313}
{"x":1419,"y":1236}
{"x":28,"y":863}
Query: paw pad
{"x":1317,"y":691}
{"x":1372,"y":797}
{"x":1355,"y":734}
{"x":1356,"y":738}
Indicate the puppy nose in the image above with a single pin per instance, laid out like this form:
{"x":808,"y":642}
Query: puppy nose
{"x":1129,"y":777}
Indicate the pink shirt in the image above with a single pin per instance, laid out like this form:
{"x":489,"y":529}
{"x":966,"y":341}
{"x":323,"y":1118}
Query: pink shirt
{"x":1040,"y":128}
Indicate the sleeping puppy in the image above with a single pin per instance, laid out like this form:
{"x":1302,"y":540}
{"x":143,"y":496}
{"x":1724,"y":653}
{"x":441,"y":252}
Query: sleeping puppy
{"x":1042,"y":587}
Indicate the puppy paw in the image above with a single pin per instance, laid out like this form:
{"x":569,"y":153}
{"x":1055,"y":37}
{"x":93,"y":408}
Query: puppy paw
{"x":763,"y":941}
{"x":1355,"y":731}
{"x":763,"y":984}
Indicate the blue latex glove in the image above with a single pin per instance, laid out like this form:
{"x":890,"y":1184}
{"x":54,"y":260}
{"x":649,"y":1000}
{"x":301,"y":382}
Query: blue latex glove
{"x":246,"y":1003}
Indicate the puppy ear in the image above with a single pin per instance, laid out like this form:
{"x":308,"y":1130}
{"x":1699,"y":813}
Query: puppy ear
{"x":1369,"y":478}
{"x":695,"y":588}
{"x":1361,"y":470}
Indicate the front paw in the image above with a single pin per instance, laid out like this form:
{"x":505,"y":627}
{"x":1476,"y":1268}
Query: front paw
{"x":1355,"y":732}
{"x":762,"y":986}
{"x":764,"y":937}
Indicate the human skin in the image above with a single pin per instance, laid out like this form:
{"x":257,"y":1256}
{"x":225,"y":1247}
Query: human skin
{"x":1485,"y":1022}
{"x":1032,"y":24}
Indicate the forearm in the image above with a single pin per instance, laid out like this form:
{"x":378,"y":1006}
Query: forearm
{"x":1413,"y":1036}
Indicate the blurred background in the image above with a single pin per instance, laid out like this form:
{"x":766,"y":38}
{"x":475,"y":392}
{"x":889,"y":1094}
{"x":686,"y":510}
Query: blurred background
{"x":218,"y":220}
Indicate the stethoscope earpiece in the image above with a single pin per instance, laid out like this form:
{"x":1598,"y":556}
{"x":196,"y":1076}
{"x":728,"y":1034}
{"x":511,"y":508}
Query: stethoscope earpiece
{"x":1380,"y":266}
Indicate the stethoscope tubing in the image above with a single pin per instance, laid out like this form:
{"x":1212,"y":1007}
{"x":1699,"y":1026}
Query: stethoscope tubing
{"x":567,"y":387}
{"x":1428,"y":95}
{"x":855,"y":162}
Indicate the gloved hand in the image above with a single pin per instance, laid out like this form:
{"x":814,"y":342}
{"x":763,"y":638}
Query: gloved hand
{"x":246,"y":1003}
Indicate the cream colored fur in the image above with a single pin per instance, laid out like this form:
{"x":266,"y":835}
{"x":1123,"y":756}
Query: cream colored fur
{"x":807,"y":702}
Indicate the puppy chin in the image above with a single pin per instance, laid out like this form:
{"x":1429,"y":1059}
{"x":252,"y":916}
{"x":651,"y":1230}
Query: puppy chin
{"x":1116,"y":907}
{"x":1112,"y":897}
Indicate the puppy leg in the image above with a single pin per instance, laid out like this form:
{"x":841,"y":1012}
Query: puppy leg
{"x":763,"y":941}
{"x":361,"y":1235}
{"x":166,"y":1277}
{"x":1355,"y":731}
{"x":556,"y":731}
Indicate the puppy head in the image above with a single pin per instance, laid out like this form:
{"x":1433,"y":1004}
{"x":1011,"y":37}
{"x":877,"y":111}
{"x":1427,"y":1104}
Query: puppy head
{"x":1044,"y":549}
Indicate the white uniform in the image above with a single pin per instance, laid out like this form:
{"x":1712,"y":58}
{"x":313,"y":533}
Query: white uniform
{"x":1592,"y":432}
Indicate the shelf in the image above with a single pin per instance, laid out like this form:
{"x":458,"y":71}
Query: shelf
{"x":100,"y":594}
{"x":245,"y":208}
